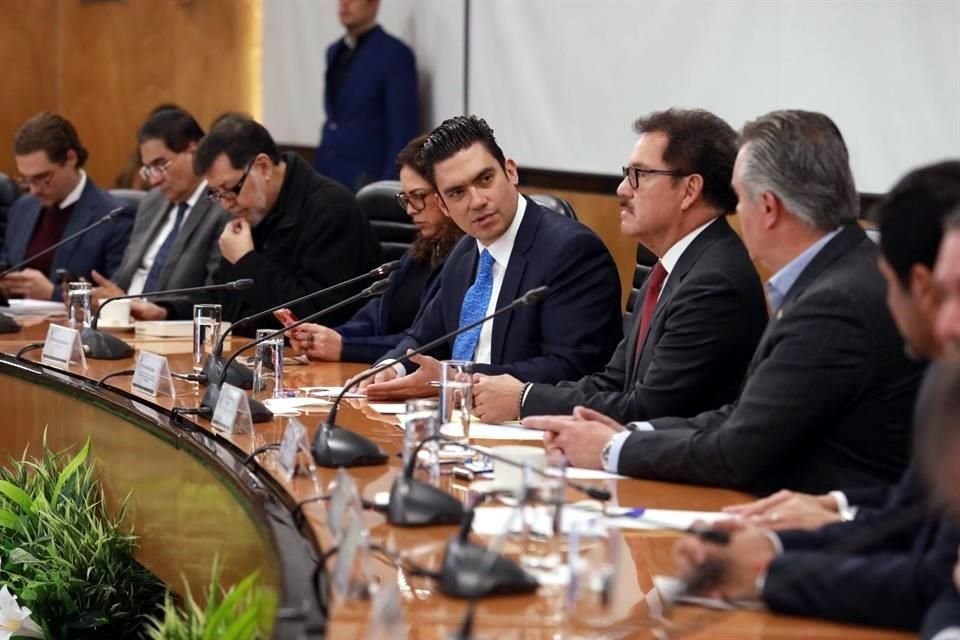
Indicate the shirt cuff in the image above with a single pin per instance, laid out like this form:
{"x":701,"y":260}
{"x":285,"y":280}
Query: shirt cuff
{"x":777,"y":550}
{"x":613,"y":460}
{"x":526,"y":392}
{"x":397,"y":366}
{"x":950,"y":633}
{"x":640,"y":426}
{"x":847,"y":512}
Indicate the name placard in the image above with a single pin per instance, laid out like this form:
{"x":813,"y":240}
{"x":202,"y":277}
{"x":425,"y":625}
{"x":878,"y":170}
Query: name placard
{"x":293,"y":442}
{"x":232,"y":413}
{"x":152,"y":375}
{"x":63,"y":347}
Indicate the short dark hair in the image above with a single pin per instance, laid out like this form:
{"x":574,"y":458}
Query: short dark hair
{"x":454,"y":135}
{"x":698,"y":142}
{"x":52,"y":133}
{"x":801,"y":156}
{"x":240,"y":137}
{"x":912,"y":216}
{"x":412,"y":155}
{"x":175,"y":127}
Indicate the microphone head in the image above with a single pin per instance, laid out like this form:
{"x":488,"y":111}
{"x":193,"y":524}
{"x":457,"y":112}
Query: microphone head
{"x":242,"y":283}
{"x":535,"y":296}
{"x":376,"y":288}
{"x":386,"y":268}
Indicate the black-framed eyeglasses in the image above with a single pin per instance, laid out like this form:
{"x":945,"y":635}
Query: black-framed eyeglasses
{"x":38,"y":182}
{"x":416,"y":199}
{"x":155,"y":170}
{"x":632,"y":174}
{"x":232,"y":192}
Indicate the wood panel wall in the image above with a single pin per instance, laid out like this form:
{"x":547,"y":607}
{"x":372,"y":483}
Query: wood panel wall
{"x":104,"y":64}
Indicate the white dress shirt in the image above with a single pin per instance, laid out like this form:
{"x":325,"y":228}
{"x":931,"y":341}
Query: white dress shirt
{"x":74,"y":195}
{"x":140,"y":275}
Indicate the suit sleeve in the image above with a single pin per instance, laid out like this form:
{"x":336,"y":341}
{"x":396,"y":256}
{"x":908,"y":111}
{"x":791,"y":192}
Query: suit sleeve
{"x":580,"y":318}
{"x":820,"y":350}
{"x":887,"y":589}
{"x":429,"y":325}
{"x":402,"y":107}
{"x":182,"y":309}
{"x":119,"y":238}
{"x":700,"y":337}
{"x":943,"y":614}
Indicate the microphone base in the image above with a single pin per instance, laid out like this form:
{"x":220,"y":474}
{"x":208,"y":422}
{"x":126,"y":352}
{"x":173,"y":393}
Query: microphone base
{"x":334,"y":446}
{"x":103,"y":346}
{"x":416,"y":504}
{"x":8,"y":324}
{"x":237,"y":374}
{"x":471,"y":571}
{"x":258,"y":411}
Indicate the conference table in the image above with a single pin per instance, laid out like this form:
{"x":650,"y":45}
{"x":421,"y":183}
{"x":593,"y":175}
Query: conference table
{"x":194,"y":497}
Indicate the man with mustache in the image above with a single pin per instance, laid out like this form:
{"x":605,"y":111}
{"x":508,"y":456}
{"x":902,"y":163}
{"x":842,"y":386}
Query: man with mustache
{"x":689,"y":342}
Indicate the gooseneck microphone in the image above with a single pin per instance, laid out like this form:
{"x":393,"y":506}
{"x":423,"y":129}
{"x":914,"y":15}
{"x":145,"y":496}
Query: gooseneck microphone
{"x":240,"y":376}
{"x":104,"y":346}
{"x":332,"y":443}
{"x":7,"y":323}
{"x":258,"y":411}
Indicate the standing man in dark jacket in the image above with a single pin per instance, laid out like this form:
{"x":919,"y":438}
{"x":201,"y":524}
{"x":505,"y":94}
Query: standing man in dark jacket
{"x":293,"y":232}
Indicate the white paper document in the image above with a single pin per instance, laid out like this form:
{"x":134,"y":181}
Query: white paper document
{"x":671,"y":589}
{"x":389,"y":408}
{"x":32,"y":307}
{"x":330,"y":392}
{"x":485,"y":431}
{"x":492,"y":520}
{"x":286,"y":405}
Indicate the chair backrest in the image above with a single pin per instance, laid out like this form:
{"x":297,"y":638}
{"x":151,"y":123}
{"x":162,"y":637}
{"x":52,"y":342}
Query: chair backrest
{"x":645,"y":262}
{"x":555,"y":204}
{"x":390,"y":222}
{"x":129,"y":197}
{"x":8,"y":195}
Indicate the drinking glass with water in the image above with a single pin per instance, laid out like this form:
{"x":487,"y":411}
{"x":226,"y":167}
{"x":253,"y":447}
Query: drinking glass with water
{"x":206,"y":331}
{"x":456,"y":398}
{"x":78,"y":304}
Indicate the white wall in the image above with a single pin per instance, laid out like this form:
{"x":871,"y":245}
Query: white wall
{"x":561,"y":81}
{"x":296,"y":34}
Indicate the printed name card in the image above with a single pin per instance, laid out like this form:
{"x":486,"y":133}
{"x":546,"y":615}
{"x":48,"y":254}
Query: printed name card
{"x":294,"y":442}
{"x":232,"y":413}
{"x":152,"y":375}
{"x":63,"y":347}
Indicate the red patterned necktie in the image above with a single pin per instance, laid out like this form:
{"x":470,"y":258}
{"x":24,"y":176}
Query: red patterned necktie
{"x":655,"y":284}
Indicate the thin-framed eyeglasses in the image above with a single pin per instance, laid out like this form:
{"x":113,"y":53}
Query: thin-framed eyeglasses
{"x":156,"y":169}
{"x":632,"y":174}
{"x":416,"y":199}
{"x":234,"y":191}
{"x":39,"y":181}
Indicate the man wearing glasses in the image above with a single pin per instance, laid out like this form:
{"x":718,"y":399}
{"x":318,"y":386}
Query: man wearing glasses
{"x":62,"y":200}
{"x":174,"y":239}
{"x":293,"y":231}
{"x":688,"y":344}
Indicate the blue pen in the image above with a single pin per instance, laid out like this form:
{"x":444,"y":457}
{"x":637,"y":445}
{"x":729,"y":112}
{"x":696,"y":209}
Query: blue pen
{"x":710,"y":535}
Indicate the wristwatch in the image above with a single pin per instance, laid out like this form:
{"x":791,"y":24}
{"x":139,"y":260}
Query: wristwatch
{"x":605,"y":453}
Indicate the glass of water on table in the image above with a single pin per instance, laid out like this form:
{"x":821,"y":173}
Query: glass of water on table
{"x":206,"y":331}
{"x":456,"y":399}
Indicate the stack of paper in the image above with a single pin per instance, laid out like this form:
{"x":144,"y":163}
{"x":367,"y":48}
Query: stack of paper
{"x":32,"y":307}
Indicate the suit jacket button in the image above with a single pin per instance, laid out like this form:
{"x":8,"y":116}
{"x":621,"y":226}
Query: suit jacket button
{"x":332,"y":126}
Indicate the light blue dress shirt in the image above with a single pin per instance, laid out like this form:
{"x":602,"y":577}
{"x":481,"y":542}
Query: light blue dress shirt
{"x":777,"y":288}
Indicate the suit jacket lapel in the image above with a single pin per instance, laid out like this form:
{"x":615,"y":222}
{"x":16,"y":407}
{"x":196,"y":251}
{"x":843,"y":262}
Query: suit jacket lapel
{"x":19,"y":242}
{"x":513,"y":276}
{"x":83,"y":215}
{"x":194,"y":218}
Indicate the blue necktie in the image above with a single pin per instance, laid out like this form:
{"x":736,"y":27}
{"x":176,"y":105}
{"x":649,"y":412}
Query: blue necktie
{"x":474,"y":308}
{"x":164,"y":251}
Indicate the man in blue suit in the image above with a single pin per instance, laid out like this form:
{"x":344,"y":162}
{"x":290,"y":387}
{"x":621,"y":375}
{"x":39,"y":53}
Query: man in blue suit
{"x":62,"y":200}
{"x":514,"y":245}
{"x":370,"y":97}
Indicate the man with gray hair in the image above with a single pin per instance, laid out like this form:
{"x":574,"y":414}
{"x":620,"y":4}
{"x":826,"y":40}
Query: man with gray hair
{"x":828,"y":396}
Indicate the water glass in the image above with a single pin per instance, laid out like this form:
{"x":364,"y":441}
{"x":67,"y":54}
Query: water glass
{"x":78,"y":304}
{"x":593,"y":596}
{"x":206,"y":331}
{"x":544,"y":489}
{"x":421,"y":420}
{"x":456,"y":398}
{"x":268,"y":366}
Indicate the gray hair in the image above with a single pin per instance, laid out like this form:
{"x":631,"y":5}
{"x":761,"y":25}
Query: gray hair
{"x":802,"y":158}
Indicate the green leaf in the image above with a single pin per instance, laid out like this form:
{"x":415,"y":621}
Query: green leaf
{"x":16,"y":494}
{"x":70,"y":469}
{"x":8,"y":519}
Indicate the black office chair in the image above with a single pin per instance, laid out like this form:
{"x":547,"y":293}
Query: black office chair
{"x":129,"y":197}
{"x":555,"y":204}
{"x":8,"y":195}
{"x":390,"y":222}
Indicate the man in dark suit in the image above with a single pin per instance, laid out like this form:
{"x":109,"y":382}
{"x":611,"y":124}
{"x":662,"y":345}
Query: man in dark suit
{"x":174,"y":239}
{"x":828,"y":396}
{"x":370,"y":96}
{"x":62,"y":201}
{"x":689,"y":343}
{"x":513,"y":246}
{"x":294,"y":232}
{"x":887,"y":565}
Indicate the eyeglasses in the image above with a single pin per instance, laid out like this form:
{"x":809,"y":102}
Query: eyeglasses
{"x":38,"y":182}
{"x":234,"y":191}
{"x":632,"y":174}
{"x":155,"y":170}
{"x":416,"y":199}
